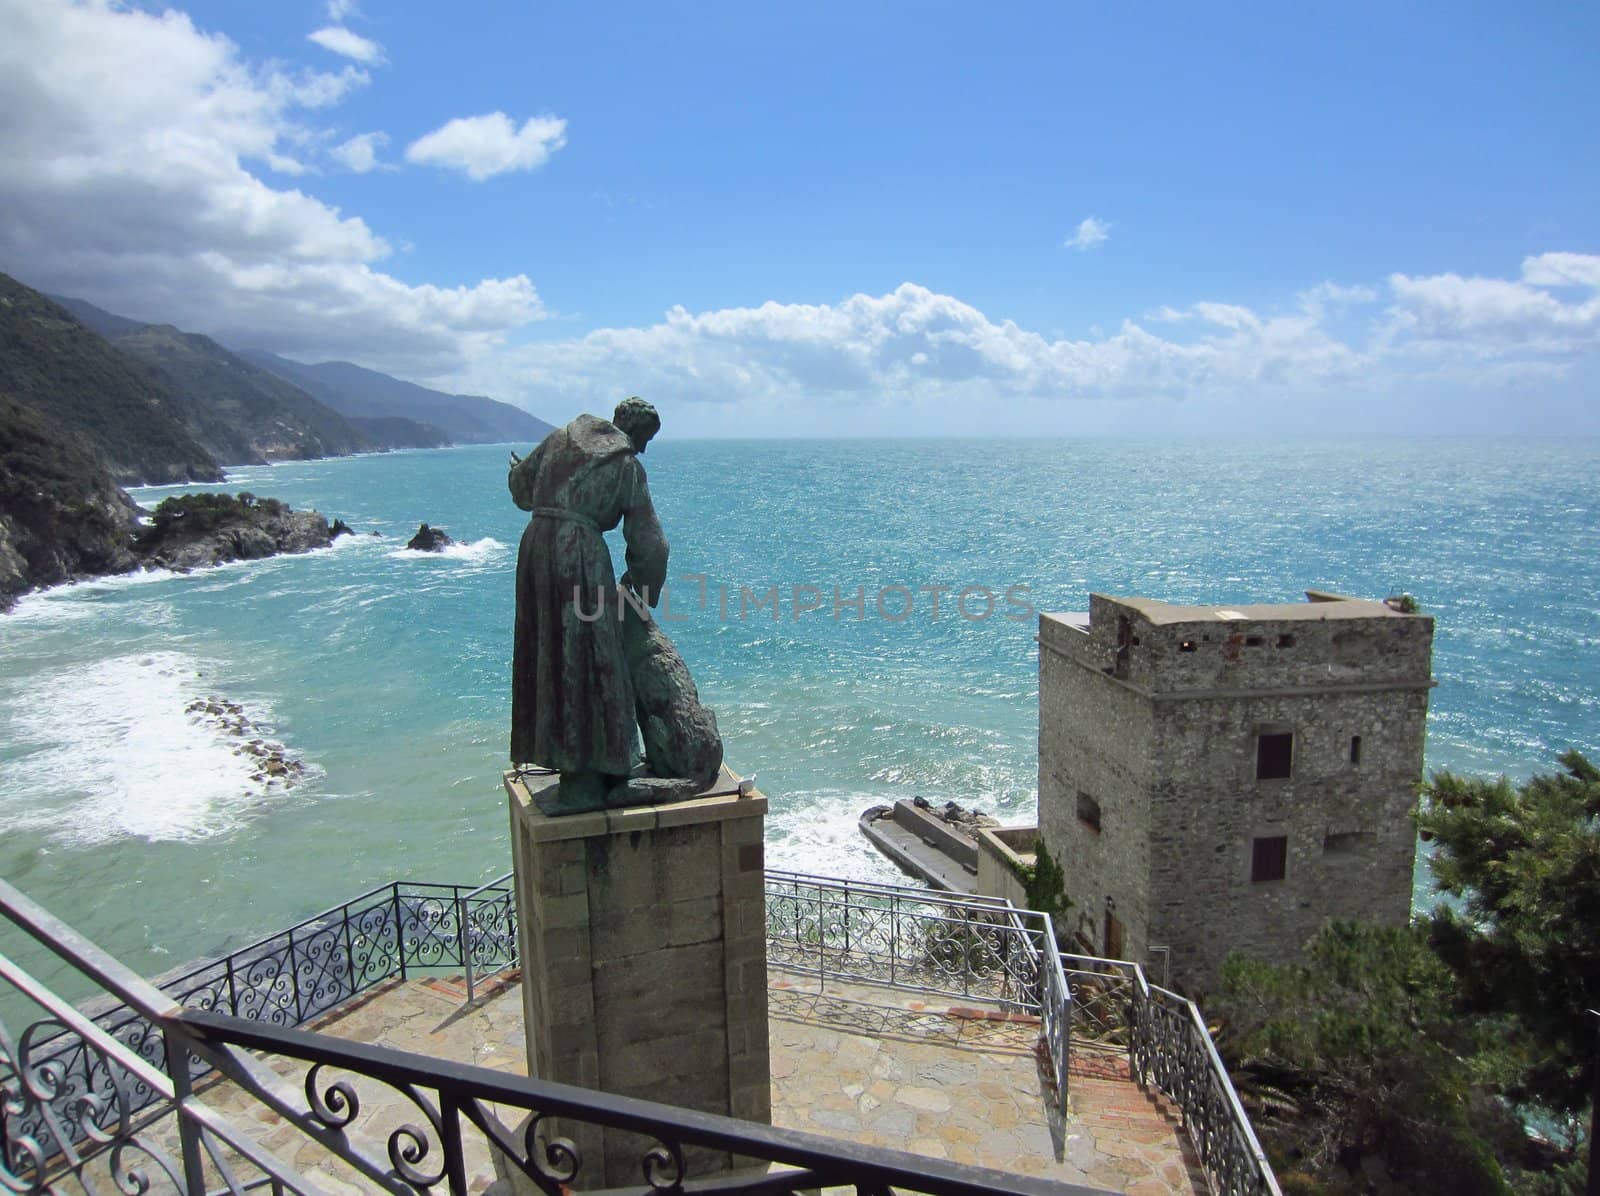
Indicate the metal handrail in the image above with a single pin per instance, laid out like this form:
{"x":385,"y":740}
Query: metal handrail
{"x":465,"y":1091}
{"x":112,"y":1125}
{"x":916,"y":940}
{"x":866,"y":931}
{"x":464,"y":922}
{"x":885,"y":888}
{"x":1180,"y":1060}
{"x":446,"y":1102}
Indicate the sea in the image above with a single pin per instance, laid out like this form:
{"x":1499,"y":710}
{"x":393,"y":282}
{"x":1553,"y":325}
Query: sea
{"x":860,"y":614}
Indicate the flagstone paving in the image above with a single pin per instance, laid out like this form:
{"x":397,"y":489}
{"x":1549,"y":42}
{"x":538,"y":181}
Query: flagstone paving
{"x":873,"y":1065}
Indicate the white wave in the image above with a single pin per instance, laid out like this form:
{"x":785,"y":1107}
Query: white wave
{"x":108,"y":751}
{"x":77,"y":599}
{"x":816,"y":832}
{"x":475,"y":551}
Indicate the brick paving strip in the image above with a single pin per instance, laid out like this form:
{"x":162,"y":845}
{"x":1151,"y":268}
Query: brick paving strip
{"x":873,"y":1065}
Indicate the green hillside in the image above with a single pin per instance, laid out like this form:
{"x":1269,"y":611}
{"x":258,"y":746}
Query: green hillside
{"x":123,"y":412}
{"x":364,"y":393}
{"x":239,"y":411}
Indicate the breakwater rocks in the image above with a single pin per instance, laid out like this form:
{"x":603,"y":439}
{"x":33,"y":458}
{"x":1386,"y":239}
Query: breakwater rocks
{"x":274,"y":763}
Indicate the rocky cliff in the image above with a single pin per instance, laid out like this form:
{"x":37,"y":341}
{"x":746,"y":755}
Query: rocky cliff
{"x":62,"y":517}
{"x":195,"y":530}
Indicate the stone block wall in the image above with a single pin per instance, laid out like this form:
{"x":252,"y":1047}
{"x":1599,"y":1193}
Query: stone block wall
{"x":1350,"y":841}
{"x":1094,"y":737}
{"x":1153,"y":715}
{"x":643,"y":941}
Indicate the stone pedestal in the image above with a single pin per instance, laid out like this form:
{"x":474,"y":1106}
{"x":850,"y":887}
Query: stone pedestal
{"x":644,"y":967}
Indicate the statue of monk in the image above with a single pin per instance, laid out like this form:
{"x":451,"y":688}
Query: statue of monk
{"x":572,"y":697}
{"x":589,"y":664}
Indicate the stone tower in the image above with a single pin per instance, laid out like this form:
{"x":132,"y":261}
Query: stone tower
{"x":1216,"y":778}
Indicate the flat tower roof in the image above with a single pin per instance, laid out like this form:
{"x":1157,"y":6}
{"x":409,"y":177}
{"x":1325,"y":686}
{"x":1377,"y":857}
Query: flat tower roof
{"x":1318,"y":605}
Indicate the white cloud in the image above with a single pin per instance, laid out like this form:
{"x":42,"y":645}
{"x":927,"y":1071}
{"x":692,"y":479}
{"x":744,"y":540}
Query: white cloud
{"x":1486,"y":317}
{"x":920,"y":349}
{"x":484,"y":146}
{"x":911,"y":345}
{"x":341,"y":10}
{"x":338,"y":40}
{"x":1562,"y":270}
{"x":360,"y":153}
{"x":133,"y":148}
{"x":1090,"y":232}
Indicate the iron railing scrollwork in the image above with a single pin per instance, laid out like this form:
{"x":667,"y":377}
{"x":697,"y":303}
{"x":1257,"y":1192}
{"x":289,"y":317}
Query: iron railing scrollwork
{"x":285,"y":979}
{"x":1172,"y":1051}
{"x":1169,"y":1050}
{"x":427,"y":1147}
{"x":177,"y":1143}
{"x":70,"y":1093}
{"x":911,"y":939}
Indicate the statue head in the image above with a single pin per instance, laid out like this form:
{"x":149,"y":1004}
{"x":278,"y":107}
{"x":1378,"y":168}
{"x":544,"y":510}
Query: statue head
{"x":638,"y":421}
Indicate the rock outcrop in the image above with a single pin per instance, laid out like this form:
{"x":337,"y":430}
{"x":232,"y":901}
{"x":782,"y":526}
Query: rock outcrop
{"x":429,"y":539}
{"x":195,"y":530}
{"x":61,"y":515}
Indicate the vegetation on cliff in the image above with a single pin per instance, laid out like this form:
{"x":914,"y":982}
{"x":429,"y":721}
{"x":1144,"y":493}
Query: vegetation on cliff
{"x":194,"y":530}
{"x":120,"y":411}
{"x":239,"y":411}
{"x":62,"y":518}
{"x":1414,"y":1058}
{"x":61,"y":515}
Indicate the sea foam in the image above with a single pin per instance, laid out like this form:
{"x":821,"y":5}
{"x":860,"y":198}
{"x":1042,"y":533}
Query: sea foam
{"x":118,"y":755}
{"x":476,"y":552}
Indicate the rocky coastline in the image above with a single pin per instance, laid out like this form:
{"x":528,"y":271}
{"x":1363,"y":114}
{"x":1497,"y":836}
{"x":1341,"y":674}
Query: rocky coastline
{"x":105,"y":534}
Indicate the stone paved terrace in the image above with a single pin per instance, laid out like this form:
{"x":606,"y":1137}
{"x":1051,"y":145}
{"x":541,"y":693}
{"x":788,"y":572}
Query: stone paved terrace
{"x":874,"y":1065}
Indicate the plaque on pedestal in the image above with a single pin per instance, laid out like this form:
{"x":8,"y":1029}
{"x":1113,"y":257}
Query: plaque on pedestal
{"x":643,"y":939}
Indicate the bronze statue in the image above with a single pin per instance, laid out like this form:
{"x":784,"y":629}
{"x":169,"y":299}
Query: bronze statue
{"x":589,"y":664}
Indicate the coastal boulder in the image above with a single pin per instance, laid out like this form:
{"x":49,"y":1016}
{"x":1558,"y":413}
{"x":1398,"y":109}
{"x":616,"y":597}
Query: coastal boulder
{"x":429,"y":539}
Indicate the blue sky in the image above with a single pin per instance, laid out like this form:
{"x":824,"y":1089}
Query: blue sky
{"x":843,"y":219}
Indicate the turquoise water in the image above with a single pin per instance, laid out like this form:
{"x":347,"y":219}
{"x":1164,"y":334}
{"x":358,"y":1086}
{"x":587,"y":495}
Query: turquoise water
{"x":385,"y":671}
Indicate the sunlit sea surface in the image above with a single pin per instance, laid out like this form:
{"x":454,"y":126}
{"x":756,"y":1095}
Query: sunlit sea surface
{"x":385,"y":671}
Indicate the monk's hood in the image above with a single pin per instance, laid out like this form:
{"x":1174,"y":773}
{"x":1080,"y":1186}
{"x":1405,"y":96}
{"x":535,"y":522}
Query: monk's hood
{"x":598,"y":438}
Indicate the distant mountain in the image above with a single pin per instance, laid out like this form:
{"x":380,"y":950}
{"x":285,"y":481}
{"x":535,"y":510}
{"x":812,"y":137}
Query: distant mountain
{"x":243,"y":414}
{"x":122,"y":413}
{"x":358,"y":392}
{"x":392,"y":431}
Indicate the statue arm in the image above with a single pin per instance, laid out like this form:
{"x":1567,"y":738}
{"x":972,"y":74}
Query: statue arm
{"x":520,"y":479}
{"x":647,"y":543}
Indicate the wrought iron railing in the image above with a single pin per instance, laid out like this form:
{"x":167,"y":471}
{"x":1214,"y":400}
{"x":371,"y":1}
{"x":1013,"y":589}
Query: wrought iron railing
{"x":179,"y":1143}
{"x":916,"y":939}
{"x":1116,"y":1009}
{"x":286,"y":979}
{"x":927,"y":941}
{"x":922,"y":940}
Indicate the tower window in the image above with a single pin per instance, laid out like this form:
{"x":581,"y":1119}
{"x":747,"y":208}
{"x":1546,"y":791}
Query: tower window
{"x":1269,"y":857}
{"x":1355,"y":749}
{"x":1186,"y":646}
{"x":1274,"y":755}
{"x":1252,"y":641}
{"x":1089,"y":812}
{"x":1286,"y":640}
